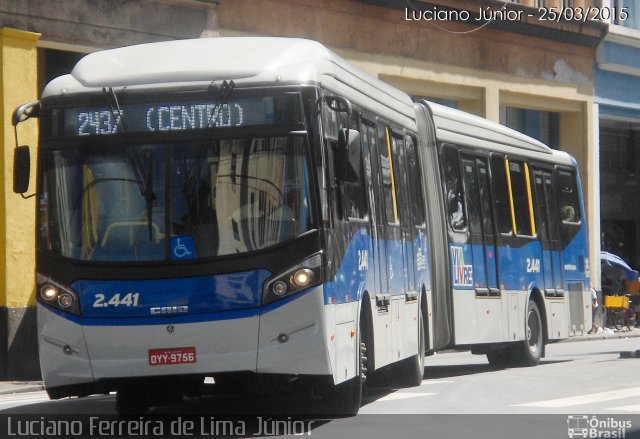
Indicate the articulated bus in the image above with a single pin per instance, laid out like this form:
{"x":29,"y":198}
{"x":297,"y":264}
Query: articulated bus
{"x":259,"y":210}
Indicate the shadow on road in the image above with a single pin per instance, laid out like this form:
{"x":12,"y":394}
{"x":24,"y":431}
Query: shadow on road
{"x":450,"y":371}
{"x":251,"y":415}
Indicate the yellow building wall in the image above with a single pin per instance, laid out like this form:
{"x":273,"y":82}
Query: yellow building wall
{"x":18,"y":85}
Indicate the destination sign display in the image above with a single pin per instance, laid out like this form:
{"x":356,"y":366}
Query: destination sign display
{"x":178,"y":116}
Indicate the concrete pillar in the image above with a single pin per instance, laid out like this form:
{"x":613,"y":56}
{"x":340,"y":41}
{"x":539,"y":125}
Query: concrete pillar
{"x":472,"y":106}
{"x":18,"y":85}
{"x":593,"y":191}
{"x":492,"y":104}
{"x":573,"y":138}
{"x":211,"y":31}
{"x":577,"y":138}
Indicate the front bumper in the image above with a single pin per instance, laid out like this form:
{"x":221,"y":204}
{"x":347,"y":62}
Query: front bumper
{"x":283,"y":338}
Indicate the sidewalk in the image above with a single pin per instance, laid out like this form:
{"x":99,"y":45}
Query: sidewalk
{"x":10,"y":387}
{"x":625,"y":333}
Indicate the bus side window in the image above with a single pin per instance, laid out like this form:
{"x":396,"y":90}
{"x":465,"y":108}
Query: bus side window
{"x":522,"y":201}
{"x":501,"y":187}
{"x":453,"y":189}
{"x":370,"y":140}
{"x":386,"y":168}
{"x":415,"y":183}
{"x":354,"y":194}
{"x":472,"y":199}
{"x":400,"y":176}
{"x":570,"y":206}
{"x":332,"y":121}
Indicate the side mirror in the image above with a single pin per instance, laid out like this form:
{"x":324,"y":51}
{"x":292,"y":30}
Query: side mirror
{"x":21,"y":169}
{"x":347,"y":157}
{"x":339,"y":104}
{"x":24,"y":112}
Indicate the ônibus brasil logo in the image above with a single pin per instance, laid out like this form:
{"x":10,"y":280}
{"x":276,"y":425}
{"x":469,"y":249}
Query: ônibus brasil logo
{"x":462,"y":274}
{"x":593,"y":427}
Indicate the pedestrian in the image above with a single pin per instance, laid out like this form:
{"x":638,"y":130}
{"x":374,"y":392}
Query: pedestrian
{"x":594,"y":309}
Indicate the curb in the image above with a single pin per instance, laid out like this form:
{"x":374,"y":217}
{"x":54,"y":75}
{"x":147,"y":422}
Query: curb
{"x":630,"y":354}
{"x":18,"y":387}
{"x":616,"y":335}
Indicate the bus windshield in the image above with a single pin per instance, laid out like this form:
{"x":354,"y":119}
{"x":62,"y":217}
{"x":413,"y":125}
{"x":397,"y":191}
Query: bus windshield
{"x":173,"y":201}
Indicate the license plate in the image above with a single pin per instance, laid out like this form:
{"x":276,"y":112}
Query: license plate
{"x":160,"y":357}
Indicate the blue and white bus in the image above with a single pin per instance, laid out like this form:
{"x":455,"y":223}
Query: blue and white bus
{"x":258,"y":207}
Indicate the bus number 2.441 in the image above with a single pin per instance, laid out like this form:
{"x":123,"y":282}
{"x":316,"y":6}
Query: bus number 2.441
{"x":129,"y":299}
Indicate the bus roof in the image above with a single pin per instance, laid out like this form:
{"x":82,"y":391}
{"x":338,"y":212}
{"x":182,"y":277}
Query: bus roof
{"x":467,"y":129}
{"x":271,"y":61}
{"x":245,"y":60}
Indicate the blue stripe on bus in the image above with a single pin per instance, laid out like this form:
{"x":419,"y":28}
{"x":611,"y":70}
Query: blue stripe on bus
{"x":357,"y":271}
{"x":203,"y":294}
{"x":520,"y":268}
{"x":238,"y":295}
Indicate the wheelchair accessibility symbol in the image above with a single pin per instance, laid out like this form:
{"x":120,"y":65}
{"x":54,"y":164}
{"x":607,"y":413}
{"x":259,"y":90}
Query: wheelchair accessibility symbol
{"x":182,"y":247}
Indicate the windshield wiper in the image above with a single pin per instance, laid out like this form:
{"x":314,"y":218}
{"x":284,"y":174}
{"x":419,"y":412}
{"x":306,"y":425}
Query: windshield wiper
{"x":144,"y":179}
{"x":112,"y":98}
{"x":145,"y":183}
{"x":225,"y":90}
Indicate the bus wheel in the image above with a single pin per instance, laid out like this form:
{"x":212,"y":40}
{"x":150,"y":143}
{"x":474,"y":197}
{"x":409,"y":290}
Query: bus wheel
{"x":131,"y":402}
{"x":499,"y":358}
{"x":412,"y":369}
{"x":346,"y":398}
{"x":528,"y":352}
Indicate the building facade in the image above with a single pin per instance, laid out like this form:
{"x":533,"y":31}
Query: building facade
{"x":617,"y":108}
{"x":499,"y":60}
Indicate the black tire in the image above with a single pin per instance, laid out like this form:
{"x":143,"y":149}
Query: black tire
{"x":353,"y":392}
{"x":528,"y":352}
{"x":411,"y":369}
{"x":499,"y":358}
{"x":233,"y":383}
{"x":132,"y":402}
{"x":138,"y":398}
{"x":346,"y":398}
{"x":630,"y":320}
{"x":618,"y":320}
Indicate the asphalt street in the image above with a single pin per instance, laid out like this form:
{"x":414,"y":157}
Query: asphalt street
{"x":579,"y":387}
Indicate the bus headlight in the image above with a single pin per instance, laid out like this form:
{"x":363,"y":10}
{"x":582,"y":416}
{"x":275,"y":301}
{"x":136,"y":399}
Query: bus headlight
{"x":296,"y":279}
{"x":302,"y":277}
{"x":57,"y":296}
{"x":65,"y":300}
{"x":279,"y":288}
{"x":49,"y":292}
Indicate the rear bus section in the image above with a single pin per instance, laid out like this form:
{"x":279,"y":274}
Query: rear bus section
{"x":516,"y":241}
